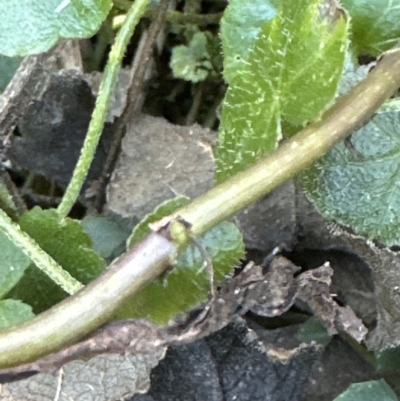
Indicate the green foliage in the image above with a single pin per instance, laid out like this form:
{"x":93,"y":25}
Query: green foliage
{"x":166,"y":208}
{"x":8,"y":66}
{"x":240,"y":27}
{"x":368,"y":391}
{"x":13,"y":263}
{"x":187,"y":284}
{"x":374,"y":24}
{"x":67,"y":243}
{"x":108,"y":238}
{"x":291,"y":75}
{"x":13,"y":311}
{"x":32,"y":27}
{"x":388,"y":361}
{"x":362,"y":191}
{"x":196,"y":61}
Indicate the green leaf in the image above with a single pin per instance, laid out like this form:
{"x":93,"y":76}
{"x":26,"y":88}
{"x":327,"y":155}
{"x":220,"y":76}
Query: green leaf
{"x":13,"y":311}
{"x":108,"y":237}
{"x":166,"y":208}
{"x":374,"y":24}
{"x":240,"y":26}
{"x":67,"y":243}
{"x":291,"y":75}
{"x":362,"y":192}
{"x":194,"y":62}
{"x":388,"y":360}
{"x":187,"y":284}
{"x":8,"y":66}
{"x":368,"y":391}
{"x":32,"y":27}
{"x":13,"y":263}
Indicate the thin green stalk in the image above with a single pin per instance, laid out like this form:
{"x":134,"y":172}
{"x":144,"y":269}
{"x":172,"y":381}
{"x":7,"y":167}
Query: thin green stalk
{"x":36,"y":254}
{"x":103,"y":100}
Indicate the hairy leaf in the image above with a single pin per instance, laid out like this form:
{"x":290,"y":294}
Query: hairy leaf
{"x":360,"y":188}
{"x":187,"y":284}
{"x":368,"y":391}
{"x":240,"y":26}
{"x":291,"y":75}
{"x":68,"y":244}
{"x":13,"y":263}
{"x":32,"y":27}
{"x":374,"y":24}
{"x":13,"y":311}
{"x":164,"y":209}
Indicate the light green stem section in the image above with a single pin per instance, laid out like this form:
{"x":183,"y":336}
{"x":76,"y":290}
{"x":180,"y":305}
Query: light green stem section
{"x":103,"y":100}
{"x":36,"y":254}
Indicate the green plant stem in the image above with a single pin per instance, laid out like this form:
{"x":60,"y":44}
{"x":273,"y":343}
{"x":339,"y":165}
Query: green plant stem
{"x":103,"y":100}
{"x":93,"y":305}
{"x":36,"y":254}
{"x":349,"y":113}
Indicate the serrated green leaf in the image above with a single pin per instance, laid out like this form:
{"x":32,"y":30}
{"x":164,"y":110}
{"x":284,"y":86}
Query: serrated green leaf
{"x":240,"y":26}
{"x":187,"y":284}
{"x":291,"y":75}
{"x":12,"y":312}
{"x":193,"y":62}
{"x":13,"y":263}
{"x":368,"y":391}
{"x":362,"y":192}
{"x":108,"y":238}
{"x":166,"y":208}
{"x":67,"y":243}
{"x":32,"y":27}
{"x":374,"y":24}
